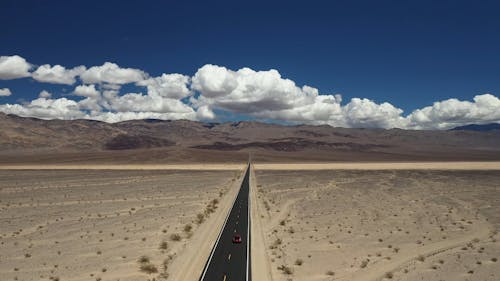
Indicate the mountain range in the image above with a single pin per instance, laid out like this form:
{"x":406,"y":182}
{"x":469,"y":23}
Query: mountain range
{"x":34,"y":140}
{"x":478,"y":127}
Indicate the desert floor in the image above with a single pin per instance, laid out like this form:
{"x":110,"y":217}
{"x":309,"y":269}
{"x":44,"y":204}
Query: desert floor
{"x":380,"y":225}
{"x":97,"y":224}
{"x":340,"y":221}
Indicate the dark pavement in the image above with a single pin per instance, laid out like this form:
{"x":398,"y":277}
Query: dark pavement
{"x":230,"y":261}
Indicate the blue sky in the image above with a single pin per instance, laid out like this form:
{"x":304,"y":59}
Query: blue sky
{"x":407,"y":53}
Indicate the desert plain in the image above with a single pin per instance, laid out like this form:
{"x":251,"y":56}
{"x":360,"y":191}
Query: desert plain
{"x":110,"y":224}
{"x":351,"y":221}
{"x":388,"y":224}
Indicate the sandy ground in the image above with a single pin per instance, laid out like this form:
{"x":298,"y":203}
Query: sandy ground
{"x":95,"y":225}
{"x":379,"y":225}
{"x":261,"y":267}
{"x":323,"y":221}
{"x":382,"y":166}
{"x":205,"y":167}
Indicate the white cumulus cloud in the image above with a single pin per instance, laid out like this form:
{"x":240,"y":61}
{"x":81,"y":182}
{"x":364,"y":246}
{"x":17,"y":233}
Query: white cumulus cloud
{"x":57,"y":74}
{"x":137,"y":102}
{"x":368,"y":114}
{"x":45,"y":109}
{"x":452,"y":113}
{"x":113,"y":117}
{"x":248,"y":91}
{"x":5,"y":92}
{"x":167,"y":85}
{"x":88,"y":91}
{"x":260,"y":94}
{"x":214,"y":81}
{"x":111,"y":73}
{"x":12,"y":67}
{"x":44,"y":94}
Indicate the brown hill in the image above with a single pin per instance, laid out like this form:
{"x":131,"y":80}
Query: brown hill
{"x":35,"y":140}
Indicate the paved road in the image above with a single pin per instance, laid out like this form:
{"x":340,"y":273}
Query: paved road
{"x":229,"y":261}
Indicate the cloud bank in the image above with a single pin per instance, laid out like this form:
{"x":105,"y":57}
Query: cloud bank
{"x":213,"y":90}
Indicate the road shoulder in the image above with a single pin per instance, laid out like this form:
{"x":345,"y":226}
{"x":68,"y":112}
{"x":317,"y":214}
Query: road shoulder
{"x":261,"y":269}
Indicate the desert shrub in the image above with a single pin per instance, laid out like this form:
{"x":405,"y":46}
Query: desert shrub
{"x":286,"y":269}
{"x":144,"y":259}
{"x":163,"y":245}
{"x":299,"y":262}
{"x":175,"y":237}
{"x":200,"y":218}
{"x":166,"y":262}
{"x":148,"y":268}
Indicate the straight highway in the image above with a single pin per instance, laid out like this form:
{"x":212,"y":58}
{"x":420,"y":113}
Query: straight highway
{"x":230,"y":261}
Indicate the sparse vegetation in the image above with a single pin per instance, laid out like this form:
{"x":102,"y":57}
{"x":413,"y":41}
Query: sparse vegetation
{"x":163,"y":245}
{"x":144,"y":259}
{"x":102,"y":225}
{"x":148,"y":268}
{"x":175,"y":237}
{"x":200,"y":218}
{"x":286,"y":269}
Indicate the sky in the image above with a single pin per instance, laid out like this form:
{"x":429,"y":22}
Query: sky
{"x":382,"y":64}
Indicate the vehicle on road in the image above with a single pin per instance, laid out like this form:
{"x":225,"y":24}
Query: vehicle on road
{"x":237,"y":239}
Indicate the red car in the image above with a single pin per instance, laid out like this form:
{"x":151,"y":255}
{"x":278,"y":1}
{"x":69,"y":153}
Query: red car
{"x":237,"y":239}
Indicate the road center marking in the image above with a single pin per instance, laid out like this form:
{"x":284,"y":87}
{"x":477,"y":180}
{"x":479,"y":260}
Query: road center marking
{"x":229,"y":257}
{"x":224,"y":278}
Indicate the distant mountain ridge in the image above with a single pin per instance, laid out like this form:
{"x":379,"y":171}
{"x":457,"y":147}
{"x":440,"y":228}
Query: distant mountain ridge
{"x":185,"y":140}
{"x":478,"y":127}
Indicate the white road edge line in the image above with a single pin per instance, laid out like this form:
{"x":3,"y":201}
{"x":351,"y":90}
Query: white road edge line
{"x":220,"y":233}
{"x":248,"y":214}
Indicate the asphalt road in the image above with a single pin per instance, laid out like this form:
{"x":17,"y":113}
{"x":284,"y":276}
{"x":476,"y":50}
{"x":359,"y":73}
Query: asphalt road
{"x":229,"y":261}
